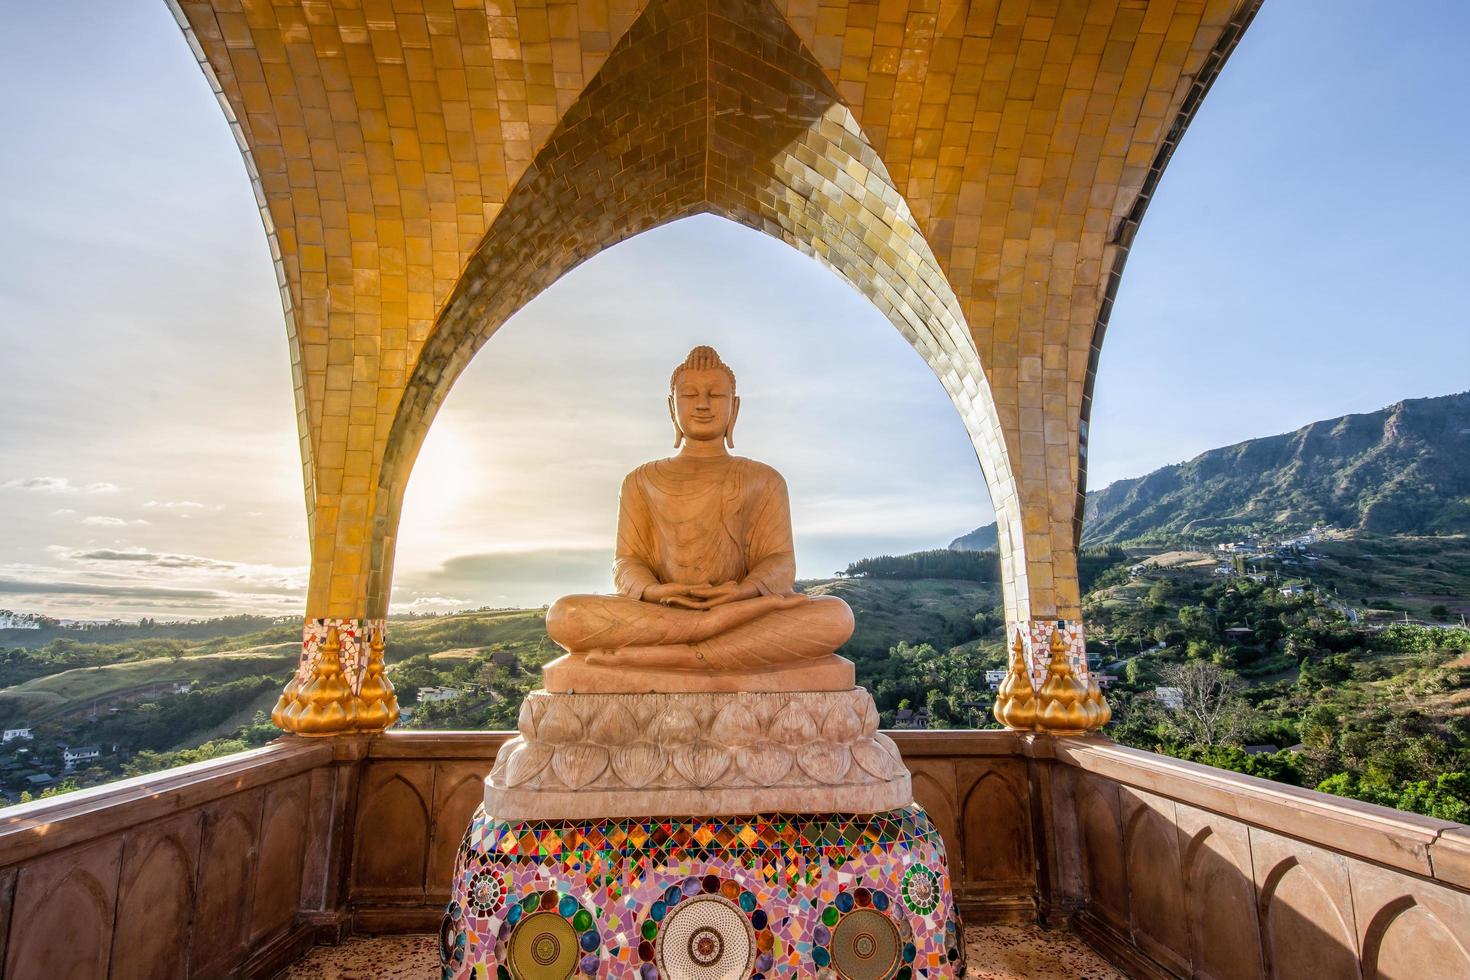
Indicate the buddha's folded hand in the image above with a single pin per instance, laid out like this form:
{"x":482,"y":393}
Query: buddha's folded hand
{"x":676,"y":594}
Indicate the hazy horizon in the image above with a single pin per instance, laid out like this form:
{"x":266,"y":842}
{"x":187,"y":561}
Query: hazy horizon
{"x":1298,"y":263}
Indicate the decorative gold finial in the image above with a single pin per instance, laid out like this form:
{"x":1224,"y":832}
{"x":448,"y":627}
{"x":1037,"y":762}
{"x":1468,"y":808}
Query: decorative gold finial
{"x":1065,"y":708}
{"x":377,"y":706}
{"x":287,"y":702}
{"x":324,"y":704}
{"x":1015,"y":702}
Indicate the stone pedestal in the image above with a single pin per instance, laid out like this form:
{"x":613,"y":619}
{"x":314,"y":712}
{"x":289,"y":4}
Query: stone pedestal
{"x":623,"y":755}
{"x":700,"y":837}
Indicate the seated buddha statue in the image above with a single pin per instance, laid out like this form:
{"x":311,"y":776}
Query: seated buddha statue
{"x":705,"y":571}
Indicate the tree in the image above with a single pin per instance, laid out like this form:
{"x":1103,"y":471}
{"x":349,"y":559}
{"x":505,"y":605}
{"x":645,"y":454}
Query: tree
{"x":1212,"y":712}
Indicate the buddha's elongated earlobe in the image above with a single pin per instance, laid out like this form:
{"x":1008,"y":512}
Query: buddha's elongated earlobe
{"x":730,"y":429}
{"x":674,"y":418}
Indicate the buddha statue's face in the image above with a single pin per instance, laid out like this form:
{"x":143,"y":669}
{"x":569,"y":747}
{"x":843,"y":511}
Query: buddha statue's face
{"x":703,"y":404}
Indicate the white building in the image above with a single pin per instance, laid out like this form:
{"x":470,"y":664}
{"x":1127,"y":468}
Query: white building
{"x":435,"y":695}
{"x":82,"y":753}
{"x":1170,"y":697}
{"x":11,"y":734}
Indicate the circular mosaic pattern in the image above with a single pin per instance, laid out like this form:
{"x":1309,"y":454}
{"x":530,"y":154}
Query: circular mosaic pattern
{"x":865,"y":945}
{"x":543,"y":946}
{"x":705,"y":928}
{"x":921,"y":889}
{"x":706,"y":938}
{"x":486,"y":892}
{"x":706,"y":946}
{"x":857,"y":938}
{"x":452,"y":937}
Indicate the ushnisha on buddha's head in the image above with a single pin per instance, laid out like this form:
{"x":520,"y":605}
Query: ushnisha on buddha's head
{"x":703,"y":404}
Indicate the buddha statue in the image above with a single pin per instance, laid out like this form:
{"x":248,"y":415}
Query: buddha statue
{"x":705,"y":571}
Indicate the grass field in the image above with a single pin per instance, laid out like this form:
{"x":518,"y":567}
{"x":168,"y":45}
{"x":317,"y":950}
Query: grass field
{"x":47,"y":698}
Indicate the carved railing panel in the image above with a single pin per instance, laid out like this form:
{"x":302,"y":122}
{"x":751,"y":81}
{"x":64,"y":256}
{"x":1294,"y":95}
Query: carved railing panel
{"x":234,"y":867}
{"x":1227,"y":876}
{"x":194,"y":872}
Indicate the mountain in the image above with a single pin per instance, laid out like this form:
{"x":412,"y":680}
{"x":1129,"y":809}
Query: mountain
{"x":1402,"y":470}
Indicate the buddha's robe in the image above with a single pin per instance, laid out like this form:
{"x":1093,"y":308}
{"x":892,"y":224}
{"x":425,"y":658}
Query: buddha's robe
{"x":694,"y":521}
{"x":697,"y":521}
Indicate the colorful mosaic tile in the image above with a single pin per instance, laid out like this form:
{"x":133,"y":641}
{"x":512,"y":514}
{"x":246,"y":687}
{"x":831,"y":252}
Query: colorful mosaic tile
{"x":856,"y":897}
{"x":1037,"y":639}
{"x":354,"y":635}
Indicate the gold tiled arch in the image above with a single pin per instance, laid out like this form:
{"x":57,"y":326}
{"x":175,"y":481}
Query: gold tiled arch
{"x":977,"y":168}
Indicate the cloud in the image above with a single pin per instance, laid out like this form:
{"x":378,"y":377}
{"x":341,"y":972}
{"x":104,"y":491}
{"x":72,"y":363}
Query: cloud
{"x":58,"y":484}
{"x":176,"y":505}
{"x":100,"y":521}
{"x":436,"y":602}
{"x":547,"y":563}
{"x":135,"y":563}
{"x":525,"y":578}
{"x":41,"y":484}
{"x":153,"y":558}
{"x":12,"y":586}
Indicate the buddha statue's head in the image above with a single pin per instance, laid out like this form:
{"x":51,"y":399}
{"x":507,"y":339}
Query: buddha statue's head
{"x":702,"y":400}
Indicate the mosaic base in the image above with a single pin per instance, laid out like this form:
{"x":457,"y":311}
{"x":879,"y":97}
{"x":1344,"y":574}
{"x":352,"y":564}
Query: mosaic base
{"x":856,"y":897}
{"x":354,"y":635}
{"x":1037,"y":641}
{"x":992,"y":953}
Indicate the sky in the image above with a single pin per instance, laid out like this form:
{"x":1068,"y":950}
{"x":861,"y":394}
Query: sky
{"x":1302,"y":259}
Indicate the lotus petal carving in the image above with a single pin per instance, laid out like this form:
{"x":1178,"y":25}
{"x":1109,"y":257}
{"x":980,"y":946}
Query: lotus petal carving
{"x":502,"y":758}
{"x":525,"y":762}
{"x":529,"y":714}
{"x":870,"y":715}
{"x":823,"y":761}
{"x":765,"y":764}
{"x":675,"y":726}
{"x":843,"y":722}
{"x":701,"y":763}
{"x":872,"y":758}
{"x":894,"y":755}
{"x":735,"y":725}
{"x":560,"y":725}
{"x":578,"y":765}
{"x":614,"y":725}
{"x":638,"y":764}
{"x":793,"y":725}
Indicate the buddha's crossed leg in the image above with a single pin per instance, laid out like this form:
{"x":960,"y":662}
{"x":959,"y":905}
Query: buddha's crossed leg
{"x":767,"y":631}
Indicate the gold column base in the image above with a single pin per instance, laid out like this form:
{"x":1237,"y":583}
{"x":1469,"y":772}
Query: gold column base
{"x":321,"y":701}
{"x":1064,"y":705}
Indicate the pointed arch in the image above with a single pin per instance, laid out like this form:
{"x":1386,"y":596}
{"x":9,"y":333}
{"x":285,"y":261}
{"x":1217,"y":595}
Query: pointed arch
{"x":783,"y":156}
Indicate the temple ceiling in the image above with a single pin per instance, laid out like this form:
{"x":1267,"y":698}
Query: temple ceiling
{"x":976,"y":167}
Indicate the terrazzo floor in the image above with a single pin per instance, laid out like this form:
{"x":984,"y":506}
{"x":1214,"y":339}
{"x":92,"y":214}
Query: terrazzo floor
{"x":995,"y":953}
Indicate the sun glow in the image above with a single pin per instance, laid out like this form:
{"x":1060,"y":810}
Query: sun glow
{"x":451,"y":470}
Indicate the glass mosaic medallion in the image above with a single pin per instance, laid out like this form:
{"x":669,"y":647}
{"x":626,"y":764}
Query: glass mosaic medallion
{"x":486,"y":891}
{"x":921,"y":889}
{"x":452,"y":936}
{"x":865,"y":945}
{"x":706,"y":938}
{"x":543,"y":946}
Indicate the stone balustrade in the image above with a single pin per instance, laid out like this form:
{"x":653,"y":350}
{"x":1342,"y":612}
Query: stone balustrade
{"x":234,"y":867}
